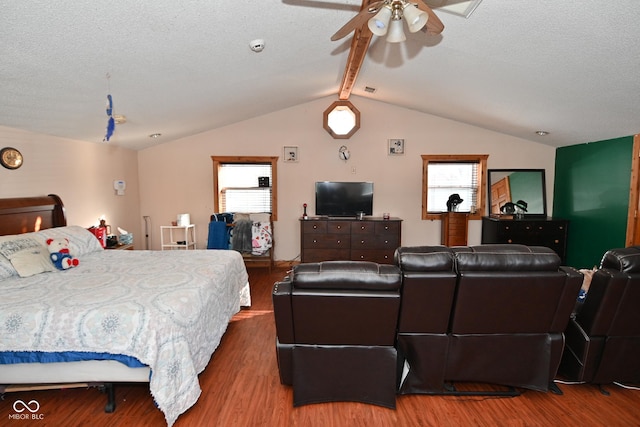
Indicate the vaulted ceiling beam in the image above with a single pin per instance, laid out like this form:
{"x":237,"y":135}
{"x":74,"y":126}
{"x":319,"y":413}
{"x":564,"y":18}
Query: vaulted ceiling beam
{"x":359,"y":46}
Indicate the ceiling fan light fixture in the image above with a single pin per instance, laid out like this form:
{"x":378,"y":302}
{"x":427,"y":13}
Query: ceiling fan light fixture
{"x":416,"y":18}
{"x":396,"y":33}
{"x":380,"y":21}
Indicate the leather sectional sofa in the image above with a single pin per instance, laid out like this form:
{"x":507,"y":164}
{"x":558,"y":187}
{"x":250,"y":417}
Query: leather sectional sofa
{"x":603,"y":338}
{"x":336,"y":325}
{"x":360,"y":331}
{"x":484,"y":314}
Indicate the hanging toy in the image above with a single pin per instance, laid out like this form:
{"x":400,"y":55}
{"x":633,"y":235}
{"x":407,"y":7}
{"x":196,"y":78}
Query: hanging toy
{"x":111,"y":124}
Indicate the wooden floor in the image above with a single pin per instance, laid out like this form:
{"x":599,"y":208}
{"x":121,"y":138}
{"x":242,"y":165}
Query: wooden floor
{"x":240,"y":387}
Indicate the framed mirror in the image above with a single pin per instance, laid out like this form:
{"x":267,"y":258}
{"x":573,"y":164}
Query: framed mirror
{"x":521,"y":189}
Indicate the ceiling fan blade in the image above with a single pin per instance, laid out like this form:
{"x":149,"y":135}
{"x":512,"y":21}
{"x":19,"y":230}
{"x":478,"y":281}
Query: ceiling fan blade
{"x":434,"y":24}
{"x":357,"y":21}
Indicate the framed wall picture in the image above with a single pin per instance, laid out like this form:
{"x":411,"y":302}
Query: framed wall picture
{"x":396,"y":147}
{"x":290,"y":153}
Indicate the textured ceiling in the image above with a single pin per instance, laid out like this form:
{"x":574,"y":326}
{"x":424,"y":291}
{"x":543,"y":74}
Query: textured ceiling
{"x":184,"y":67}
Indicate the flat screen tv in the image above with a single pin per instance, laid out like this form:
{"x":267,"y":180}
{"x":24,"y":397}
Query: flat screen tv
{"x":344,"y":198}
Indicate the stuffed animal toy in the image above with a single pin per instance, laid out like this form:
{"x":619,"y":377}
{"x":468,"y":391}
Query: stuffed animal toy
{"x":59,"y":254}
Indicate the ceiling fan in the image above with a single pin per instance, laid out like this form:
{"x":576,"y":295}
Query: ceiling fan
{"x":379,"y":17}
{"x":386,"y":16}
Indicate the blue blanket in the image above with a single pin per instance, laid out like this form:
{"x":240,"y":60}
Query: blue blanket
{"x":219,"y":235}
{"x":10,"y":357}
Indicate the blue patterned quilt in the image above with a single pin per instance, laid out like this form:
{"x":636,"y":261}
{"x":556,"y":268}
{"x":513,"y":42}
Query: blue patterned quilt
{"x":167,"y":309}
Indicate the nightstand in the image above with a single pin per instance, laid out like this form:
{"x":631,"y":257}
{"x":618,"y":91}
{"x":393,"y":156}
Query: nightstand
{"x":178,"y":237}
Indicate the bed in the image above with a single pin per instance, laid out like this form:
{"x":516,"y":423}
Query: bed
{"x":119,"y":316}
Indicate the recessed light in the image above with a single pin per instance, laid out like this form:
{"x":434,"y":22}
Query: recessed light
{"x":542,"y":132}
{"x":155,"y":135}
{"x":369,"y":89}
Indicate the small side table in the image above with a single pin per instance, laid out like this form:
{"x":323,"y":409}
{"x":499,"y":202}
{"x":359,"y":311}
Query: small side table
{"x":178,"y":237}
{"x":454,"y":228}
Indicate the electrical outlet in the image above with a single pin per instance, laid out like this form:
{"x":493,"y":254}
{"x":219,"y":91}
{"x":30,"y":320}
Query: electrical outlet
{"x":353,"y":169}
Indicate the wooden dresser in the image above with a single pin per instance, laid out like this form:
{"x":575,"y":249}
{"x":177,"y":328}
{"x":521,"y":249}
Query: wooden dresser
{"x":454,"y":228}
{"x":549,"y":232}
{"x":370,"y":239}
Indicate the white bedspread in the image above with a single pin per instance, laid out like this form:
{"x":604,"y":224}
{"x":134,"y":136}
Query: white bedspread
{"x":167,"y":309}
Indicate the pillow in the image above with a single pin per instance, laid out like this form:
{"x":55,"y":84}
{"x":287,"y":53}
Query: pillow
{"x":81,"y":241}
{"x":6,"y":269}
{"x":27,"y":254}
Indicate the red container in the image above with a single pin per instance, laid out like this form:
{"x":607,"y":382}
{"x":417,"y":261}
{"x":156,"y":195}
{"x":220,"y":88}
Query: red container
{"x":100,"y":233}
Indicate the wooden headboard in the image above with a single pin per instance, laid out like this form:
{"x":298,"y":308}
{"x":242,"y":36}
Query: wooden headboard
{"x":24,"y":214}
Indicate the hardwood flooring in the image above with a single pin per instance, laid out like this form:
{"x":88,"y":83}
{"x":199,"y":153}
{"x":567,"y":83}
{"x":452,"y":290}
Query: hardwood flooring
{"x":241,"y":387}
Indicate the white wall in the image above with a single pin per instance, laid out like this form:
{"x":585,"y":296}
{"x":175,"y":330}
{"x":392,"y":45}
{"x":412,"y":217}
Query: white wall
{"x":177,"y":176}
{"x":81,"y":173}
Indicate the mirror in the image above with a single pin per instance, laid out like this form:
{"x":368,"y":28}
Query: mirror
{"x":511,"y":186}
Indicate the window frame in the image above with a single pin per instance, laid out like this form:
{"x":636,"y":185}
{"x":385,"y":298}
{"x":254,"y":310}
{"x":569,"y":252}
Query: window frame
{"x":481,"y":198}
{"x":273,"y":160}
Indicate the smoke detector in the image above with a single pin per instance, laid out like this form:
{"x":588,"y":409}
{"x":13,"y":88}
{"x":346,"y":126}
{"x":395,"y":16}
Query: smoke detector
{"x":257,"y":45}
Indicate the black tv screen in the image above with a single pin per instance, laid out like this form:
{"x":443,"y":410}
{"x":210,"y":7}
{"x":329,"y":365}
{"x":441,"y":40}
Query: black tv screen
{"x":344,"y":198}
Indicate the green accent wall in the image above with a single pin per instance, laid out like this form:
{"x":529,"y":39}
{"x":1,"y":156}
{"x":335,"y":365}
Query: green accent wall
{"x":591,"y":190}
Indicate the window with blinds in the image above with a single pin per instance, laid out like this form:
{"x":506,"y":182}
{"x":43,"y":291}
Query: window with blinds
{"x":447,"y":174}
{"x":239,"y":189}
{"x":449,"y":178}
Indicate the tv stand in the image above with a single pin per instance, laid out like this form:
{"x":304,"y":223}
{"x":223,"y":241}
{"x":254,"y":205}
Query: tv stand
{"x":349,"y":239}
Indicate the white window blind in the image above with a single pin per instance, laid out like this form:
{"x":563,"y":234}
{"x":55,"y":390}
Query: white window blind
{"x":447,"y":178}
{"x":239,"y":189}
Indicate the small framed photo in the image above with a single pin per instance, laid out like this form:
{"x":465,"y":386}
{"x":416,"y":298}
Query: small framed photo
{"x":290,"y":154}
{"x":396,"y":147}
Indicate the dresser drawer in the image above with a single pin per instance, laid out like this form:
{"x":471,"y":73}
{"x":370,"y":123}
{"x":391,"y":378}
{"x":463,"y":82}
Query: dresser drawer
{"x":327,"y":241}
{"x":375,"y":241}
{"x":379,"y":256}
{"x":388,"y":228}
{"x":363,"y":227}
{"x":338,"y":227}
{"x":319,"y":255}
{"x":314,"y":227}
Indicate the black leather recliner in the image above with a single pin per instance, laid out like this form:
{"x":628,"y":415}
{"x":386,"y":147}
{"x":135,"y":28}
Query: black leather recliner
{"x":603,"y":338}
{"x":483,"y":314}
{"x":336,"y":327}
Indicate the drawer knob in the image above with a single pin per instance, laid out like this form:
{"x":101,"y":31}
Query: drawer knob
{"x":362,"y":227}
{"x":338,"y":227}
{"x":386,"y":242}
{"x":361,"y":256}
{"x":315,"y":227}
{"x":386,"y":227}
{"x":315,"y":241}
{"x":509,"y":241}
{"x":362,"y":242}
{"x":338,"y":241}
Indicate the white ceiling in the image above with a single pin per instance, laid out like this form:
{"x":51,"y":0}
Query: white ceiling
{"x":183,"y":67}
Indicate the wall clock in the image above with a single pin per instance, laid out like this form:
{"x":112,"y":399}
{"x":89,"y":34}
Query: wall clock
{"x":10,"y":158}
{"x":343,"y":153}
